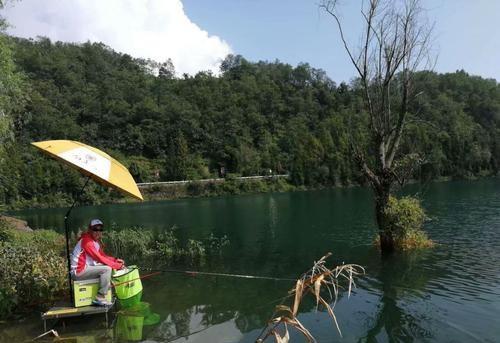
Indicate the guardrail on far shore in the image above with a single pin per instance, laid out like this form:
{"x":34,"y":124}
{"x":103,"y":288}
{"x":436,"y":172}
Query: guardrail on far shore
{"x":220,"y":179}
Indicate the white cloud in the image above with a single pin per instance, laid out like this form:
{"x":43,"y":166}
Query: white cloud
{"x":156,"y":29}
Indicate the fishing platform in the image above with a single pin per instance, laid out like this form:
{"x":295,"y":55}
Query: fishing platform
{"x":126,"y":282}
{"x":68,"y":311}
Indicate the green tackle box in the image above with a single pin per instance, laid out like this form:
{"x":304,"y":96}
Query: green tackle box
{"x":84,"y":291}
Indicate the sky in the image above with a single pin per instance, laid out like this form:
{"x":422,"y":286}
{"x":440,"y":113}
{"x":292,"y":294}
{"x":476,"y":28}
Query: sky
{"x":198,"y":34}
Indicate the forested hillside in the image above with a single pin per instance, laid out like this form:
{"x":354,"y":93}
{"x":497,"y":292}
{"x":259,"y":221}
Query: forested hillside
{"x":251,"y":118}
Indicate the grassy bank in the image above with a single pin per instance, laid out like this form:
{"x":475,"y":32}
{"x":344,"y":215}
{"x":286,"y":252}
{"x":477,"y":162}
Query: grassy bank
{"x":33,"y":264}
{"x":230,"y":186}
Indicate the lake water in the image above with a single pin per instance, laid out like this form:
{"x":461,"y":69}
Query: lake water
{"x":450,"y":293}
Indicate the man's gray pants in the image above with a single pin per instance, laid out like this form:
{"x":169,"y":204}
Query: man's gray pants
{"x":94,"y":272}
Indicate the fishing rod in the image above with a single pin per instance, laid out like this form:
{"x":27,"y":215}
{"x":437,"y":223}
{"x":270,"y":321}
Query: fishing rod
{"x":139,"y":278}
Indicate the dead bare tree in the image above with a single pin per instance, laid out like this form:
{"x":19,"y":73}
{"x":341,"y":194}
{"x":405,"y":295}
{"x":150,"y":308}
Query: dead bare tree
{"x":395,"y":43}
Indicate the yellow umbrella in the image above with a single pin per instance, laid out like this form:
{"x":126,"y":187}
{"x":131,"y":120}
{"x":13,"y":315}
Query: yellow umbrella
{"x":92,"y":162}
{"x":95,"y":164}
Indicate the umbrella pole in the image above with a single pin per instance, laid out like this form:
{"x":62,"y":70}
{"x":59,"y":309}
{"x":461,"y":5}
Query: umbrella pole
{"x":66,"y":231}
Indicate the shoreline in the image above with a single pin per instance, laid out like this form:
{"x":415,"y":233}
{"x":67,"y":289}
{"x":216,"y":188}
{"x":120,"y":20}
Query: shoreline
{"x":212,"y":188}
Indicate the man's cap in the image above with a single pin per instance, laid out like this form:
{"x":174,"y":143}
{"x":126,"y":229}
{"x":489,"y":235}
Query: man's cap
{"x":95,"y":222}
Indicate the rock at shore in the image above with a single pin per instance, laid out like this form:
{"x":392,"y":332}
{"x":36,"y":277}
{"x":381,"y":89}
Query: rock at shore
{"x":16,"y":223}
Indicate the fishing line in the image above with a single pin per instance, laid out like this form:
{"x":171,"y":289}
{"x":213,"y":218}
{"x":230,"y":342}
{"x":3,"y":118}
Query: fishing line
{"x":241,"y":276}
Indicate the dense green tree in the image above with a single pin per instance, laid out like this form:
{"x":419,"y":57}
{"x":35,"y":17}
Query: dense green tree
{"x":12,"y":99}
{"x":177,"y":160}
{"x":251,"y":118}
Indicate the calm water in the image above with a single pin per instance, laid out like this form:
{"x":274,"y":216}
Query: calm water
{"x":448,"y":294}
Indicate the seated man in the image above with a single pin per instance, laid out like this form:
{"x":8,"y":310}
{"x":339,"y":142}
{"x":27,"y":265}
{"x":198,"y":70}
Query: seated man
{"x":89,"y":261}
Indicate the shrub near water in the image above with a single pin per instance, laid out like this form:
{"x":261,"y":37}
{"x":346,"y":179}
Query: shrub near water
{"x":32,"y":268}
{"x":406,"y":218}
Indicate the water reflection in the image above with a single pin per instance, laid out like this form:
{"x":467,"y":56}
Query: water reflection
{"x":191,"y":304}
{"x":133,"y":316}
{"x":399,"y":278}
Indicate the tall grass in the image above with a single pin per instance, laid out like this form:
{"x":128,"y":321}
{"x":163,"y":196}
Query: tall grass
{"x":137,"y":245}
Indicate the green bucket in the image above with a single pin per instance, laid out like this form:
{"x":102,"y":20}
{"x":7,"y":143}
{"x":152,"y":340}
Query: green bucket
{"x":127,"y":283}
{"x":130,"y":302}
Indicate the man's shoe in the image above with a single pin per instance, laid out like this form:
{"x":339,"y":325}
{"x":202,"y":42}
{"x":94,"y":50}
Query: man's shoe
{"x":98,"y":301}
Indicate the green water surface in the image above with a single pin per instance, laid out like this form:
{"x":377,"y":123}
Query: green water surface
{"x":450,"y":293}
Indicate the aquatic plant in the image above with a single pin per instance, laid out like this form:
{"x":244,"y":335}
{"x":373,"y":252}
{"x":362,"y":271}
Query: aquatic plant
{"x":131,"y":243}
{"x":406,"y":217}
{"x":137,"y":245}
{"x":215,"y":245}
{"x":324,"y":284}
{"x":195,"y":249}
{"x":167,"y":244}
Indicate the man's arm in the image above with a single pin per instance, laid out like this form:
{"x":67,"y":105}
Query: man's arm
{"x":89,"y":247}
{"x":116,"y":259}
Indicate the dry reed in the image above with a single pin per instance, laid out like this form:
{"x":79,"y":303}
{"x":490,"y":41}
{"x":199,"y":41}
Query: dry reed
{"x":322,"y":283}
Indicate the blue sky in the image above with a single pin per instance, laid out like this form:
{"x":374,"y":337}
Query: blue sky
{"x":467,"y":32}
{"x":198,"y":34}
